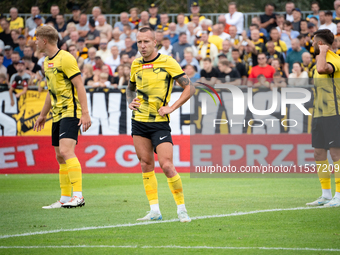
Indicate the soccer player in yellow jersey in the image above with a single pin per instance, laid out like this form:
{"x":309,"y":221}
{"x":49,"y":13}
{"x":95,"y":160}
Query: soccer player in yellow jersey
{"x":152,"y":77}
{"x":67,"y":98}
{"x":326,"y":118}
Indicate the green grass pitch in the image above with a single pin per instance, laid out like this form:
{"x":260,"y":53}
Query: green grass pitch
{"x":114,"y":199}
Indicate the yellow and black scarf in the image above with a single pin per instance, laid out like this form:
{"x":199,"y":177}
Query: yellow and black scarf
{"x":207,"y":53}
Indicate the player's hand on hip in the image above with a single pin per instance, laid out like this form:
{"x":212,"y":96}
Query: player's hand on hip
{"x":323,"y":48}
{"x":134,"y":104}
{"x":85,"y":120}
{"x":39,"y":124}
{"x":164,"y":110}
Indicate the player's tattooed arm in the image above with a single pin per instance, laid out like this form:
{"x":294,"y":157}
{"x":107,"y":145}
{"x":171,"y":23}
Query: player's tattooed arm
{"x":184,"y":81}
{"x":131,"y":91}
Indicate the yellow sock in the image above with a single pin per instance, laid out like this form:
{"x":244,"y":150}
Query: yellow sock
{"x":175,"y":185}
{"x":150,"y":186}
{"x":74,"y":173}
{"x":324,"y":173}
{"x":65,"y":184}
{"x":337,"y":175}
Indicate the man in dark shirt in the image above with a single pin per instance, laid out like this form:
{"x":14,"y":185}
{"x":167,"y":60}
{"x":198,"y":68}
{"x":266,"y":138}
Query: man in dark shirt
{"x":61,"y":25}
{"x":268,"y":19}
{"x":226,"y":74}
{"x":128,"y":48}
{"x":239,"y":65}
{"x":208,"y":73}
{"x":75,"y":15}
{"x":54,"y":11}
{"x":297,"y":19}
{"x":11,"y":69}
{"x":93,"y":35}
{"x":5,"y":36}
{"x":272,"y":53}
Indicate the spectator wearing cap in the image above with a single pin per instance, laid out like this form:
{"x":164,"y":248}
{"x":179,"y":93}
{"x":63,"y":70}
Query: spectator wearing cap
{"x":268,"y":19}
{"x":99,"y":64}
{"x":7,"y":56}
{"x":190,"y":60}
{"x":234,"y":17}
{"x":297,"y":19}
{"x":60,"y":24}
{"x":181,"y":26}
{"x":54,"y":12}
{"x":75,"y":15}
{"x":20,"y":71}
{"x":104,"y":52}
{"x":289,"y":11}
{"x":12,"y":68}
{"x":82,"y":26}
{"x":38,"y":22}
{"x":329,"y":24}
{"x":5,"y":35}
{"x":82,"y":49}
{"x":154,"y":19}
{"x":315,"y":9}
{"x":134,"y":16}
{"x":3,"y":69}
{"x":206,"y":49}
{"x":173,"y":37}
{"x":124,"y":20}
{"x":287,"y":34}
{"x":92,"y":38}
{"x":166,"y":48}
{"x":15,"y":21}
{"x":30,"y":24}
{"x":104,"y":28}
{"x":144,"y":20}
{"x":195,"y":11}
{"x":21,"y":47}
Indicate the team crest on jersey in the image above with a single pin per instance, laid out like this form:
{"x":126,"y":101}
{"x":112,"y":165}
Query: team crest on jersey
{"x":50,"y":65}
{"x":148,"y":66}
{"x":156,"y":70}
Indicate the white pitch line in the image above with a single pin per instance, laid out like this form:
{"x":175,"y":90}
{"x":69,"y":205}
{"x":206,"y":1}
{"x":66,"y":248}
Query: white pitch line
{"x":168,"y":247}
{"x":156,"y":222}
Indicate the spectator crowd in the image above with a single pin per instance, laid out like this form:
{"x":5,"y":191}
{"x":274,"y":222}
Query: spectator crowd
{"x":275,"y":51}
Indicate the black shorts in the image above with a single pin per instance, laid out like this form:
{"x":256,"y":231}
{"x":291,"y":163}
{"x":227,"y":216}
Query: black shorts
{"x":65,"y":128}
{"x":326,"y":132}
{"x":157,"y":132}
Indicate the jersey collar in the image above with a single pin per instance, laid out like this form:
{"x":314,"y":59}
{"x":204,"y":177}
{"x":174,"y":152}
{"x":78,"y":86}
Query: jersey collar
{"x":152,"y":59}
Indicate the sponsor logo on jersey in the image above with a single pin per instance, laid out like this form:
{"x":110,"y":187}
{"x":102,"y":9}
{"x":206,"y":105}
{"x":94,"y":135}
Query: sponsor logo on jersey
{"x":147,"y":66}
{"x":50,"y":65}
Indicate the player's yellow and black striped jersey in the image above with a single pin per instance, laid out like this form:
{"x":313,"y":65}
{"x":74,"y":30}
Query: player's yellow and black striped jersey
{"x":154,"y":80}
{"x":327,"y":89}
{"x":59,"y":71}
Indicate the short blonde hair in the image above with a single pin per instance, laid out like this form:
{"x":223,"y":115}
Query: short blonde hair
{"x":49,"y":33}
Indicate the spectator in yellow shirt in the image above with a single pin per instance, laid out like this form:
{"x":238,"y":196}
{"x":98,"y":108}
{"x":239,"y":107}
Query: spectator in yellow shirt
{"x":214,"y":38}
{"x":16,"y":22}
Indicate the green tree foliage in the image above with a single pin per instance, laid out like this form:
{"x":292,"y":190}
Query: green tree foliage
{"x":169,"y":6}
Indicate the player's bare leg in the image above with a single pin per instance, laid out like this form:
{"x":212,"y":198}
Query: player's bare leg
{"x":165,"y":158}
{"x":145,"y":154}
